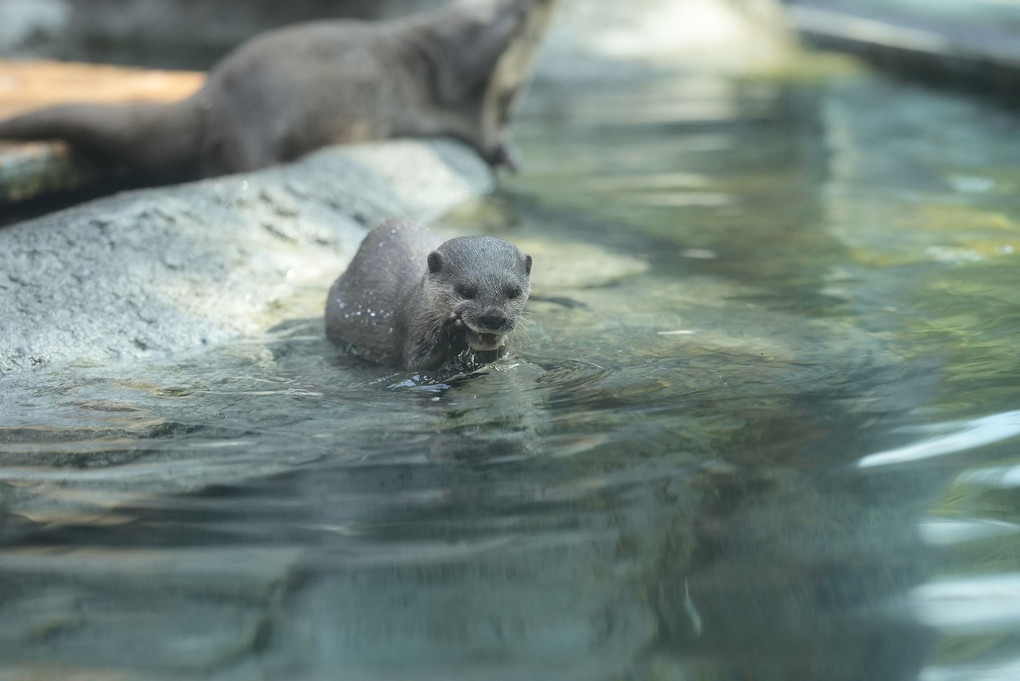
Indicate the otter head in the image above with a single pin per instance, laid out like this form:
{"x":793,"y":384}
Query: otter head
{"x":482,"y":284}
{"x":488,"y":49}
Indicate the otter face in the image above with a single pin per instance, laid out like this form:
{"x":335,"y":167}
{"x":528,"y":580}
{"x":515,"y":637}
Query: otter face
{"x":483,"y":283}
{"x":487,"y":322}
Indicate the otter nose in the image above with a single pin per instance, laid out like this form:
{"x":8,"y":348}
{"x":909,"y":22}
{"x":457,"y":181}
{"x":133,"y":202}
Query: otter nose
{"x":492,"y":319}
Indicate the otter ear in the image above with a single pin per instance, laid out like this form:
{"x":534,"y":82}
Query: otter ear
{"x":435,"y":261}
{"x":527,"y":264}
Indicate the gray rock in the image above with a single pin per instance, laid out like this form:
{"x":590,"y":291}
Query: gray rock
{"x":175,"y":268}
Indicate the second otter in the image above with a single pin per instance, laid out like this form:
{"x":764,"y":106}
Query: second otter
{"x":457,"y":71}
{"x":408,"y":300}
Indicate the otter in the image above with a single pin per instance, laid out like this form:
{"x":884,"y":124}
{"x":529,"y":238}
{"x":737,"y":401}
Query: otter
{"x":407,"y":300}
{"x":454,"y":71}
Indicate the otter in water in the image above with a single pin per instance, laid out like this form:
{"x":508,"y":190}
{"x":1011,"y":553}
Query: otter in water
{"x":408,"y":300}
{"x":454,"y":71}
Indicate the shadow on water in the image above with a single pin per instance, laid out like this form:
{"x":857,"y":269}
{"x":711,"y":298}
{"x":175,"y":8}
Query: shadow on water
{"x":751,"y":447}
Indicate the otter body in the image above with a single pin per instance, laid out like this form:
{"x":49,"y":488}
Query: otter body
{"x":292,"y":90}
{"x":407,"y":300}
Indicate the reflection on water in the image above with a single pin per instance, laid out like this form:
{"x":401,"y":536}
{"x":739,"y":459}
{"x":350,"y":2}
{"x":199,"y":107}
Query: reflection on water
{"x":969,"y":435}
{"x":761,"y":424}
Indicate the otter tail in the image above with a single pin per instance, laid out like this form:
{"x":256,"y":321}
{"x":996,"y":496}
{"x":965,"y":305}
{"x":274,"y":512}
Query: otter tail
{"x":158,"y":139}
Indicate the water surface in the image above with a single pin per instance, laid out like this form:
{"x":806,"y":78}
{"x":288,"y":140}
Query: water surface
{"x":762,"y":424}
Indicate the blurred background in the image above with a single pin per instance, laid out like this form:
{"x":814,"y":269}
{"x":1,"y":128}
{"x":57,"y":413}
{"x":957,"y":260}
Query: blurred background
{"x":967,"y":40}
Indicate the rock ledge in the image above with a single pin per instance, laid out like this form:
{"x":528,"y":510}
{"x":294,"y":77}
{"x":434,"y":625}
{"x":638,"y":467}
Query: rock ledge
{"x":176,"y":268}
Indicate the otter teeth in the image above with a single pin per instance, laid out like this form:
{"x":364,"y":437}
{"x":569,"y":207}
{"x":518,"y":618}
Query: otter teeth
{"x":484,"y":341}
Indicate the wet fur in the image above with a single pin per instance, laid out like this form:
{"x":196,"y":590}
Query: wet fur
{"x":401,"y":300}
{"x":290,"y":91}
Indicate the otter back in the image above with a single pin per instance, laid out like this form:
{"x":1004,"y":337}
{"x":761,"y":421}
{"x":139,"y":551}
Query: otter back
{"x":407,"y":300}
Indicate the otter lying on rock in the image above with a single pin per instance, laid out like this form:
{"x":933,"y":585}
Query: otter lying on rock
{"x":454,"y":71}
{"x":409,"y":301}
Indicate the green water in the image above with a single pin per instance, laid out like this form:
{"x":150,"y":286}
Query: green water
{"x":773,"y":433}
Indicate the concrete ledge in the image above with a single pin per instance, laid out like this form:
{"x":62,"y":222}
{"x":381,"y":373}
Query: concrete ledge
{"x":176,"y":268}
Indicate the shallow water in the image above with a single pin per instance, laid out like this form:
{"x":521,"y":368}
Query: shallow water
{"x":768,"y":429}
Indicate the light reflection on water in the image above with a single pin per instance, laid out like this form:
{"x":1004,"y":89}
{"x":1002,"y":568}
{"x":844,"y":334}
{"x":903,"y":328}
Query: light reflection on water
{"x":959,"y":438}
{"x":772,"y":433}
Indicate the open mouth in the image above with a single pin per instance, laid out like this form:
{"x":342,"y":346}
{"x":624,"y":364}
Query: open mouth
{"x":484,"y":341}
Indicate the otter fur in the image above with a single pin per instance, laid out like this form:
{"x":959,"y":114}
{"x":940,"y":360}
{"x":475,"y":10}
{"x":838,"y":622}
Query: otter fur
{"x":407,"y":300}
{"x":453,"y":71}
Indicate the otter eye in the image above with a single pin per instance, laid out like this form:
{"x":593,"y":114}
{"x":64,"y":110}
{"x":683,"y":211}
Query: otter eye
{"x":513,"y":292}
{"x":465,"y":292}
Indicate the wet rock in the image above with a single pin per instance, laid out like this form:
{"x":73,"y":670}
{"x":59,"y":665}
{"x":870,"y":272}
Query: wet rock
{"x":174,"y":268}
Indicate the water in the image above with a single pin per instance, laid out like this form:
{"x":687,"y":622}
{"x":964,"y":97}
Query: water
{"x":767,"y":429}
